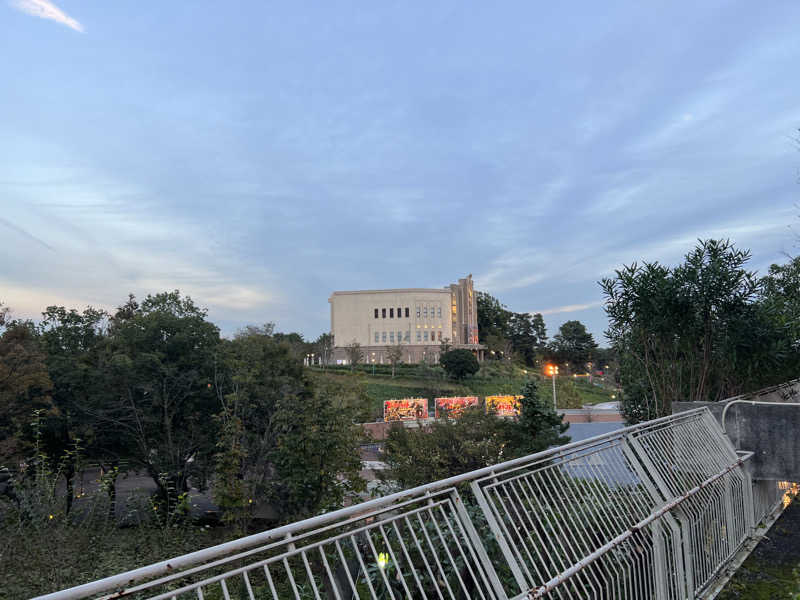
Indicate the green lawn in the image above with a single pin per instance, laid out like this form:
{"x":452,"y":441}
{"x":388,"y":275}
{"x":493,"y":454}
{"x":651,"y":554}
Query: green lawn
{"x":414,"y":381}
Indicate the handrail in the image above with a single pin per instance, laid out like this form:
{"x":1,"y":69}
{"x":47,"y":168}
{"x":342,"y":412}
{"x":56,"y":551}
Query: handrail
{"x":753,"y":402}
{"x":125,"y":580}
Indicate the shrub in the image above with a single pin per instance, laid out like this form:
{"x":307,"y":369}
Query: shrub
{"x":459,"y":364}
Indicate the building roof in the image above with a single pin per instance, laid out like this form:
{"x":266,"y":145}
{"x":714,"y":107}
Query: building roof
{"x":394,"y":291}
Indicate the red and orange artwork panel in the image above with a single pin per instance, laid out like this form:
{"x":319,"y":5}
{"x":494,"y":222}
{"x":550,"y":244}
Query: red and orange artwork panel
{"x":406,"y":409}
{"x":504,"y":406}
{"x":454,"y":406}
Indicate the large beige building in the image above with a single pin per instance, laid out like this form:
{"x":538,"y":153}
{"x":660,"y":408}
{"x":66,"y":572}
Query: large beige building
{"x":418,"y":320}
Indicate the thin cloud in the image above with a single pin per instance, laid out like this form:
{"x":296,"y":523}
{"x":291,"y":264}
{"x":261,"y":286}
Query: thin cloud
{"x":44,"y":9}
{"x":569,"y":308}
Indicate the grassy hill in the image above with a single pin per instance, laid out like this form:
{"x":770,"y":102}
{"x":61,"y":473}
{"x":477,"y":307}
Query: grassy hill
{"x":421,"y":381}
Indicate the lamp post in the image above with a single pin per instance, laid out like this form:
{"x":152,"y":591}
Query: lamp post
{"x":373,"y":363}
{"x":552,"y":371}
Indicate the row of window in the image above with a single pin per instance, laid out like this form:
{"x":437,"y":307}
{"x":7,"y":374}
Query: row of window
{"x":422,"y":312}
{"x":383,"y":337}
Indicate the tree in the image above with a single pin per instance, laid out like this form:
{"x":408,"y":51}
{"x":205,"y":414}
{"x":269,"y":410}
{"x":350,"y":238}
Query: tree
{"x":538,"y":426}
{"x":25,"y":387}
{"x":394,"y":355}
{"x":459,"y":363}
{"x":505,"y":332}
{"x":493,"y":317}
{"x":295,"y":342}
{"x":573,"y":344}
{"x":780,"y":299}
{"x":283,"y":441}
{"x":524,"y":333}
{"x":354,"y":354}
{"x":164,"y":353}
{"x":323,"y":348}
{"x":693,"y":332}
{"x":76,"y":350}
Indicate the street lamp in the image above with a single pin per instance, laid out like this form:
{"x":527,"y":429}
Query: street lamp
{"x":552,"y":371}
{"x":373,"y":363}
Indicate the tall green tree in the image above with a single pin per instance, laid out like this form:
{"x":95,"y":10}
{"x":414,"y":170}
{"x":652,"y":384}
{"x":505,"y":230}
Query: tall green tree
{"x":780,"y":300}
{"x":506,"y":333}
{"x":164,"y":352}
{"x":25,"y":387}
{"x":323,"y":347}
{"x":284,"y":441}
{"x":493,"y":317}
{"x":75,"y":344}
{"x":573,"y":344}
{"x":697,"y":331}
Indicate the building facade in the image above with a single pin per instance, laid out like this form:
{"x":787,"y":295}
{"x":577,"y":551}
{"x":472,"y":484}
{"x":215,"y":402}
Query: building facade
{"x":418,"y":320}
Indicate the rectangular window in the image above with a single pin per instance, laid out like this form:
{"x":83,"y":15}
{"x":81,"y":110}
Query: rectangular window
{"x":399,"y":336}
{"x":406,"y":337}
{"x":377,"y":337}
{"x":391,"y":313}
{"x":383,"y":337}
{"x":419,"y":335}
{"x":425,"y":311}
{"x":418,"y":311}
{"x":376,"y":313}
{"x":383,"y":312}
{"x":391,"y":337}
{"x":426,"y":336}
{"x":406,"y":312}
{"x":439,"y":336}
{"x":439,"y":311}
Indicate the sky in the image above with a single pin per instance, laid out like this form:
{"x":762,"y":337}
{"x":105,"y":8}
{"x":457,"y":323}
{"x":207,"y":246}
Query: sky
{"x":258,"y":156}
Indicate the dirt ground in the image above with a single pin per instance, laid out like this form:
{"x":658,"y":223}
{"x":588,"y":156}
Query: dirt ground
{"x":772,"y":571}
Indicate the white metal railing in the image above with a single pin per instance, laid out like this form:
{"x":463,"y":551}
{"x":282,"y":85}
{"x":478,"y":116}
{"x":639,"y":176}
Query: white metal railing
{"x":650,"y":511}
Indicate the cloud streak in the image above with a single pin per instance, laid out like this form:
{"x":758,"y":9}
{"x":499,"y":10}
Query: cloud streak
{"x":44,"y":9}
{"x":569,"y":308}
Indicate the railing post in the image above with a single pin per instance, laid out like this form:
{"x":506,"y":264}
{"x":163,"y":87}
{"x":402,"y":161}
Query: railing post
{"x":660,"y":492}
{"x":499,"y":536}
{"x":478,"y":546}
{"x":660,"y":564}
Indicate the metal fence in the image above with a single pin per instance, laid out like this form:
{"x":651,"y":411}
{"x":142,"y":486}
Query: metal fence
{"x":650,"y":511}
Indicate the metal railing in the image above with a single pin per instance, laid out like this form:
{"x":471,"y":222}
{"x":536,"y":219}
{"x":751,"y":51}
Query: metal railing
{"x":650,"y":511}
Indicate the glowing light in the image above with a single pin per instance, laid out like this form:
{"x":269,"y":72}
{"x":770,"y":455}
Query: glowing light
{"x":383,"y":560}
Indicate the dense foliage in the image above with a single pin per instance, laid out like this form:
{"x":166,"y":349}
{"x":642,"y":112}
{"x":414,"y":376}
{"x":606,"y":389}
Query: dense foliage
{"x":507,"y":333}
{"x":573,"y":344}
{"x":475,"y":439}
{"x":459,"y":363}
{"x":704,"y":330}
{"x":153,"y":388}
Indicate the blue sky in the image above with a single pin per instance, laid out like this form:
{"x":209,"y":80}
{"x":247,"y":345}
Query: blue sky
{"x":260,"y":155}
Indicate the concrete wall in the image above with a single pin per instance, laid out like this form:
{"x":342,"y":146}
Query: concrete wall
{"x":772,"y":433}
